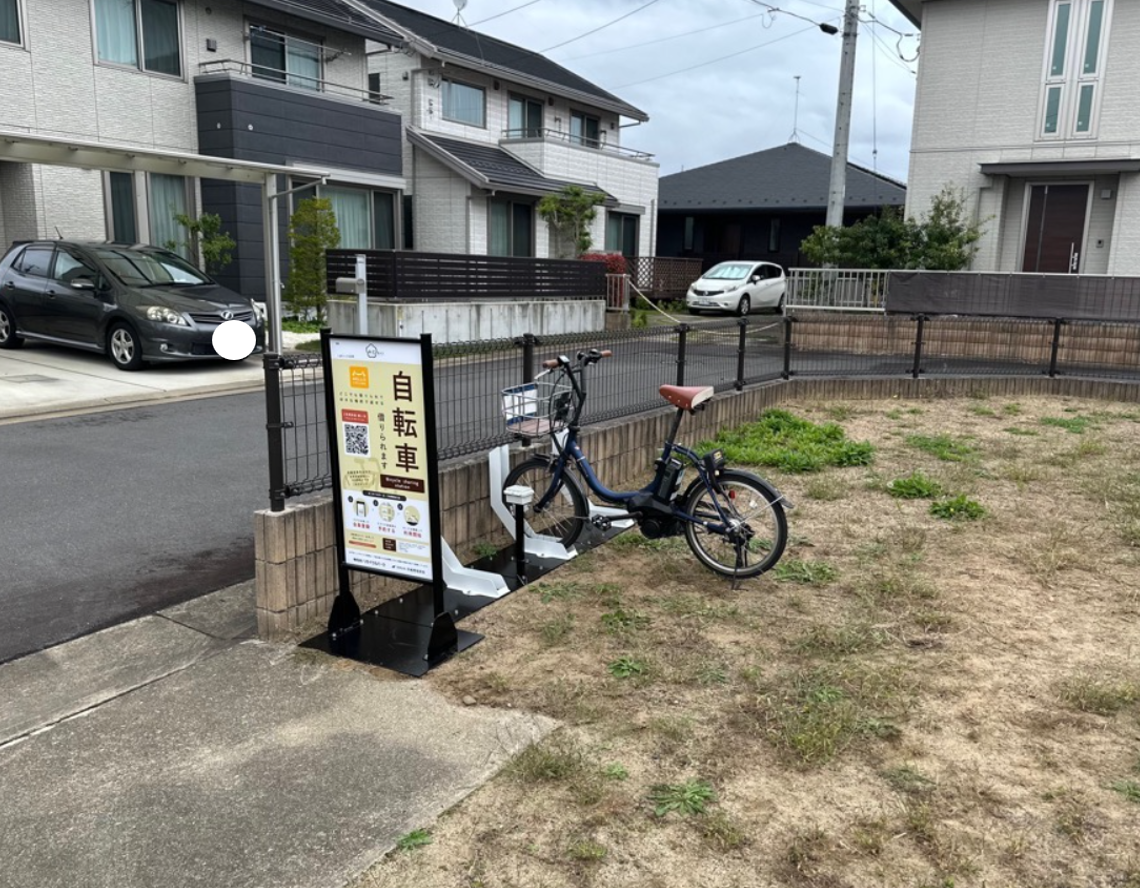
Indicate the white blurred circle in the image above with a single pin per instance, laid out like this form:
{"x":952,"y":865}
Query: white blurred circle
{"x":234,"y":340}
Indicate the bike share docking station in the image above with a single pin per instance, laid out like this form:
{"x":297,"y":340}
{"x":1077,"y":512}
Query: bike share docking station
{"x":386,"y":505}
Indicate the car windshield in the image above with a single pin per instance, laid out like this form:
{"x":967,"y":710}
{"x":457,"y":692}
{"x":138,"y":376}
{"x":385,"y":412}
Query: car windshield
{"x":728,"y":271}
{"x":150,"y":268}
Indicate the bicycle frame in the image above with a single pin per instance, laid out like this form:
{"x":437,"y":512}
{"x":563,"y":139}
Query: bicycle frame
{"x":569,"y":449}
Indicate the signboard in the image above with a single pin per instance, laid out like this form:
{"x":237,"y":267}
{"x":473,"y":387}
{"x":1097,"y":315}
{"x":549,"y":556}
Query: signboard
{"x":383,"y":455}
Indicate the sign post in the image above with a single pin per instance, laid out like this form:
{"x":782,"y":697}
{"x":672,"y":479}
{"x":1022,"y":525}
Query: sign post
{"x":380,"y":411}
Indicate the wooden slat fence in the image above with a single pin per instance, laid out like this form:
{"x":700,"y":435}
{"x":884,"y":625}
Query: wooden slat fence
{"x":437,"y":276}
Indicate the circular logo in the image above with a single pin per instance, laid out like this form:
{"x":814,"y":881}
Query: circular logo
{"x":227,"y":315}
{"x":412,"y":516}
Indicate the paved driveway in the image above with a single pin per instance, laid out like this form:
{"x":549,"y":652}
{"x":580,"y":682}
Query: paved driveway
{"x":39,"y":378}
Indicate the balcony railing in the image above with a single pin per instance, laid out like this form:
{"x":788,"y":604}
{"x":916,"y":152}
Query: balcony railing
{"x":534,"y":133}
{"x":287,"y":78}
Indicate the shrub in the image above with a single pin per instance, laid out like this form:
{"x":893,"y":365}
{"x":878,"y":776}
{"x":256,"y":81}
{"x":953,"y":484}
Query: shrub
{"x":615,"y":262}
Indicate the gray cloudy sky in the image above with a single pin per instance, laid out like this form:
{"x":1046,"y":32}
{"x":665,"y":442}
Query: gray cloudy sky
{"x":741,"y":98}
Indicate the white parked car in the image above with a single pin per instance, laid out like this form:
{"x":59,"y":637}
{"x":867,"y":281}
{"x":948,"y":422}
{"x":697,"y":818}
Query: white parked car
{"x":739,"y":287}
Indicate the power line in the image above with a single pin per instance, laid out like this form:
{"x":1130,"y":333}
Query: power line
{"x":504,"y":12}
{"x":590,"y":55}
{"x":600,"y":27}
{"x":720,"y":59}
{"x":890,"y":53}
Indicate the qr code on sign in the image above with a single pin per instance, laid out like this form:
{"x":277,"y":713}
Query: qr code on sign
{"x":356,"y":439}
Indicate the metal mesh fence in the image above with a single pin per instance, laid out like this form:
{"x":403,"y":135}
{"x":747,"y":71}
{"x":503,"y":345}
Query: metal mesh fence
{"x":732,"y":353}
{"x":985,"y":347}
{"x":627,"y":383}
{"x":469,"y":377}
{"x":1099,"y":351}
{"x":851,"y":345}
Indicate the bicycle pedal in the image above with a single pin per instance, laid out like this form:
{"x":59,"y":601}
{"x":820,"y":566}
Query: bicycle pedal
{"x":601,"y":522}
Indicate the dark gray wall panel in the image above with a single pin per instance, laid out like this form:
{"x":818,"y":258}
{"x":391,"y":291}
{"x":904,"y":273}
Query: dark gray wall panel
{"x":250,"y":120}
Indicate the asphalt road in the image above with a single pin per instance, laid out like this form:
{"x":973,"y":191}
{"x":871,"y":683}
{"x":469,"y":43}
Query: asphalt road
{"x":107,"y":516}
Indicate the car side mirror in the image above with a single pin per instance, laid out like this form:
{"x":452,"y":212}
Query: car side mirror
{"x":83,"y":284}
{"x":756,"y":278}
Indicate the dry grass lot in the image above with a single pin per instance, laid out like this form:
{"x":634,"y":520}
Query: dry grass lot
{"x":912,"y":699}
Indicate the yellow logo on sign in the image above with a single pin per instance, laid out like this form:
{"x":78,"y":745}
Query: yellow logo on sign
{"x":358,"y":377}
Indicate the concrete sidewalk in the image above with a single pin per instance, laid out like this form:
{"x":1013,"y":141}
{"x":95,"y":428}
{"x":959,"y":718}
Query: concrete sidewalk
{"x":176,"y":751}
{"x":42,"y":379}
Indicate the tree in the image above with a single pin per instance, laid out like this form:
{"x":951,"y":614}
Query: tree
{"x":569,"y":213}
{"x":942,"y":240}
{"x":205,"y":233}
{"x":312,"y":231}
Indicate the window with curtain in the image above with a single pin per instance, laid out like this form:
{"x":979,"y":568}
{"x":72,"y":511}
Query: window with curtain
{"x":351,"y":209}
{"x":621,"y":233}
{"x":121,"y":196}
{"x":140,"y":33}
{"x":167,"y":199}
{"x":284,"y":58}
{"x":463,"y":103}
{"x":524,"y":118}
{"x":511,"y":228}
{"x":1074,"y":66}
{"x":10,"y":21}
{"x":585,"y":129}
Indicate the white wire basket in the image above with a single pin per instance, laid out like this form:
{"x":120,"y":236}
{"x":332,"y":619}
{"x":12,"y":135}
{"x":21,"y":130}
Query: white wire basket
{"x":538,"y":408}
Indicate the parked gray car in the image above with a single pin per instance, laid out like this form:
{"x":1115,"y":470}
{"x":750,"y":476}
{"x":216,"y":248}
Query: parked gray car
{"x":134,"y":303}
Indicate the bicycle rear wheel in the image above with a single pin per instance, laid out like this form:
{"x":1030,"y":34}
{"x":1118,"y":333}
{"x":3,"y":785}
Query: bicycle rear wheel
{"x":759,"y":529}
{"x":567,"y":512}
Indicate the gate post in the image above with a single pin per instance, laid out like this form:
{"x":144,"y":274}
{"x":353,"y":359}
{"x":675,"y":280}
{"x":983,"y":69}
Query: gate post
{"x":1056,"y":348}
{"x":742,"y":342}
{"x":682,"y":336}
{"x":273,"y":427}
{"x":917,"y":368}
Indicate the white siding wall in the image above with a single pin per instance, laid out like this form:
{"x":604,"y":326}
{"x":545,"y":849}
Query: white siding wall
{"x":632,"y":182}
{"x":441,"y":209}
{"x":406,"y":78}
{"x":55,"y":86}
{"x":977,"y":102}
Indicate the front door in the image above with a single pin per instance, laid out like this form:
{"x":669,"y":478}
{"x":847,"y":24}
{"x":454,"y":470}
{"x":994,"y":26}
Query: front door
{"x":1055,"y":228}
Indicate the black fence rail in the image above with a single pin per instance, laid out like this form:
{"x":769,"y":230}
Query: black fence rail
{"x":433,"y":276}
{"x":728,"y":355}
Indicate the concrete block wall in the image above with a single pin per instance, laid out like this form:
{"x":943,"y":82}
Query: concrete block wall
{"x":990,"y":339}
{"x":471,"y":321}
{"x":295,"y":548}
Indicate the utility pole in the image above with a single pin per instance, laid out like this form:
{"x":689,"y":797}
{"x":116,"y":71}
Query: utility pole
{"x":837,"y":191}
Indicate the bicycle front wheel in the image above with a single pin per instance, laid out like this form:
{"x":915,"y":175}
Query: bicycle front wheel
{"x":757,"y":532}
{"x":567,"y":512}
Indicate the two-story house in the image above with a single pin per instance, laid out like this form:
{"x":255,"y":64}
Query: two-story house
{"x":275,"y":81}
{"x":491,"y":128}
{"x":1029,"y":107}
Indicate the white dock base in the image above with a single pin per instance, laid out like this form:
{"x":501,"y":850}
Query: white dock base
{"x":468,"y":580}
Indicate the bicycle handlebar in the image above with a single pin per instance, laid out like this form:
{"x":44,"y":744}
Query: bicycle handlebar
{"x":583,"y":358}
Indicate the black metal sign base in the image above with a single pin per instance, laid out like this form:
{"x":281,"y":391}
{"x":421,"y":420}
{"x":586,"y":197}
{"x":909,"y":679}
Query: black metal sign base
{"x":407,"y":636}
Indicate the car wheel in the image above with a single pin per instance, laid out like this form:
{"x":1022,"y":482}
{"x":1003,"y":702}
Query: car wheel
{"x":124,"y":348}
{"x":780,"y":305}
{"x":744,"y":305}
{"x":8,"y":337}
